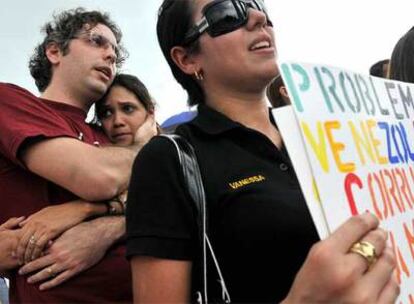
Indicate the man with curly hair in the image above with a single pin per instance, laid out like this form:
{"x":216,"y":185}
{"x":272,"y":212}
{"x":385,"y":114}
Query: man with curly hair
{"x":50,"y":156}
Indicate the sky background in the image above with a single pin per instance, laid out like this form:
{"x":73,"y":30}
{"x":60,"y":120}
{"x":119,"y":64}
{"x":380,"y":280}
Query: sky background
{"x":350,"y":34}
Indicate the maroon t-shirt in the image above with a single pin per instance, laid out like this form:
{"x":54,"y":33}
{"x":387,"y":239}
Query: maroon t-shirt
{"x":25,"y":119}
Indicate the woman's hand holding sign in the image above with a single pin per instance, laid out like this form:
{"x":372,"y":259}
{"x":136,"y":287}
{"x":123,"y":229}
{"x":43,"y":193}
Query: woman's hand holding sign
{"x":353,"y":265}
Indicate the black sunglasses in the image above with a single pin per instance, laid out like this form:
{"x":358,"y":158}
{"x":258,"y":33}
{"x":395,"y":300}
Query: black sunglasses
{"x":224,"y":16}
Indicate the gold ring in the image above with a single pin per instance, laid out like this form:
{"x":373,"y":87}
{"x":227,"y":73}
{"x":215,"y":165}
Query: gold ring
{"x":32,"y":240}
{"x":366,"y":250}
{"x":50,"y":271}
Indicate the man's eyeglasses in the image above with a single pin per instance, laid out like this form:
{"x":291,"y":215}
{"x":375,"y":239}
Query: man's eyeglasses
{"x":99,"y":41}
{"x":224,"y":16}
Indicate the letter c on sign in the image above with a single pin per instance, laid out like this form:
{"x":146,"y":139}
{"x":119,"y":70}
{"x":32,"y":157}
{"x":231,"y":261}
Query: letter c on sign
{"x":351,"y":179}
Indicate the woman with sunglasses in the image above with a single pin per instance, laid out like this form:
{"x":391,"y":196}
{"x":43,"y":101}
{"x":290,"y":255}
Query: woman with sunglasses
{"x":223,"y":53}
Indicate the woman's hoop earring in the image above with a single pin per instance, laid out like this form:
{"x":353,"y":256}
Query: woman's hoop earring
{"x":198,"y":75}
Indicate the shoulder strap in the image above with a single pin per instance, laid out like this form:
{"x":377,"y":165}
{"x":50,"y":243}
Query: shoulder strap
{"x":192,"y":177}
{"x":194,"y":183}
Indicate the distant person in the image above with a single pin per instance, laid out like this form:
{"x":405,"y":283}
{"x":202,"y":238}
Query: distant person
{"x":276,"y":93}
{"x":380,"y":68}
{"x":402,"y":58}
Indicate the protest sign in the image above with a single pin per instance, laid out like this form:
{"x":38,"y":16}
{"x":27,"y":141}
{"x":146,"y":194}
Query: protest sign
{"x":358,"y":137}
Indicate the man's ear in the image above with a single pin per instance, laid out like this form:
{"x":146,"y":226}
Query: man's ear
{"x":53,"y":53}
{"x":185,"y":61}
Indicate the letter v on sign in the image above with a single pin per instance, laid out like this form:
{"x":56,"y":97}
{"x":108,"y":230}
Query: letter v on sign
{"x":318,"y":144}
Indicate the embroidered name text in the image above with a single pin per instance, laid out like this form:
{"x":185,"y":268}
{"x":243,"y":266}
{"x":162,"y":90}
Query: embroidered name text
{"x":247,"y":181}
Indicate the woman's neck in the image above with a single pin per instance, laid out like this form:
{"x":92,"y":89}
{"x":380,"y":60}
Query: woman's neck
{"x":250,"y":110}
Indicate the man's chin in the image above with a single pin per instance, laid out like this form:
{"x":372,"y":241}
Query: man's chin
{"x":97,"y":90}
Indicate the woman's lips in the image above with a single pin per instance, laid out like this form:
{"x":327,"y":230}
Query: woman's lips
{"x":121,"y":135}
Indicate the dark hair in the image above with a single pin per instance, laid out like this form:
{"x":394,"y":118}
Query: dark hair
{"x":402,"y":60}
{"x":175,"y":17}
{"x":377,"y":69}
{"x":64,"y":27}
{"x":273,"y":92}
{"x":132,"y":84}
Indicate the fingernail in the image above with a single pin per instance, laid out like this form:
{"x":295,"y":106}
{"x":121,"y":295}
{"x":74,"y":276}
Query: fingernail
{"x":41,"y":288}
{"x":29,"y":280}
{"x":368,"y":214}
{"x":21,"y":272}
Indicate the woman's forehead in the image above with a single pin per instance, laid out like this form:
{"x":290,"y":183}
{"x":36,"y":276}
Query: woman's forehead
{"x":198,"y":6}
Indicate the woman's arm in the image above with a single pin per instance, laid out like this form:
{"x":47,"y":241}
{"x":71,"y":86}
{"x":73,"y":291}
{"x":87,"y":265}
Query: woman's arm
{"x":157,"y":280}
{"x":50,"y":222}
{"x":160,"y":234}
{"x":76,"y":250}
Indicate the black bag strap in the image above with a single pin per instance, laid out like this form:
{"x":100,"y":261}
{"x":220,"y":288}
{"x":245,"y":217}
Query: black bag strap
{"x":193,"y":181}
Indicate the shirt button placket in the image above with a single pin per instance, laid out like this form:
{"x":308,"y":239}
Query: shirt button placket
{"x":283,"y":167}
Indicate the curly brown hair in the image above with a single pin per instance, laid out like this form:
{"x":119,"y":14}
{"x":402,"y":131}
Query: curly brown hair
{"x":64,"y":27}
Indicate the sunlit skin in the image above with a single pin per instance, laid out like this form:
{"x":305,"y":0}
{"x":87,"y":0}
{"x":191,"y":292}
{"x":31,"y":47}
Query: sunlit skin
{"x":235,"y":81}
{"x":121,"y":115}
{"x":228,"y":71}
{"x":236,"y":67}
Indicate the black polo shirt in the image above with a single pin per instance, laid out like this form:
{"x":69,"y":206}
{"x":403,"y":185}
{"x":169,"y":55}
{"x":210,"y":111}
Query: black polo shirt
{"x":259,"y":224}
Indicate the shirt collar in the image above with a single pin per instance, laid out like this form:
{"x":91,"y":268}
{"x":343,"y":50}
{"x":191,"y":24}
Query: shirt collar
{"x":212,"y":122}
{"x":69,"y":110}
